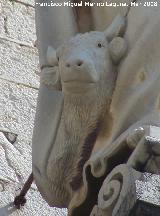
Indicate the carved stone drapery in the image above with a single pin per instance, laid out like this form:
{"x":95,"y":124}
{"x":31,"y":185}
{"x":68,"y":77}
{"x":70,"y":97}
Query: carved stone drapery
{"x":120,"y":191}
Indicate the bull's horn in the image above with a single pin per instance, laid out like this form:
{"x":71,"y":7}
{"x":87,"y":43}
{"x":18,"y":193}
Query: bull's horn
{"x":117,"y":27}
{"x":51,"y":56}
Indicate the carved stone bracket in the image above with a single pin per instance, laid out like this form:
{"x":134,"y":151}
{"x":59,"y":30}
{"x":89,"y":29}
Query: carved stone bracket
{"x":118,"y":192}
{"x":146,"y":156}
{"x":127,"y":191}
{"x":123,"y":164}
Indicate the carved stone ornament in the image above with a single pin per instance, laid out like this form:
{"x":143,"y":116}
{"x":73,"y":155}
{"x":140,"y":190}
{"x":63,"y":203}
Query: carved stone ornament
{"x":120,"y":190}
{"x":79,"y":71}
{"x":127,"y":192}
{"x":97,"y":167}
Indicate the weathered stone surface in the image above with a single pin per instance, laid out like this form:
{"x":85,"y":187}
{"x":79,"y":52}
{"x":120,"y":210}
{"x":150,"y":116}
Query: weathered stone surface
{"x":17,"y":21}
{"x":18,"y":63}
{"x":2,"y":30}
{"x":11,"y":137}
{"x":16,"y":162}
{"x":18,"y":93}
{"x":13,"y":172}
{"x":32,"y":207}
{"x":148,"y":196}
{"x":17,"y":108}
{"x":148,"y":190}
{"x":27,"y":2}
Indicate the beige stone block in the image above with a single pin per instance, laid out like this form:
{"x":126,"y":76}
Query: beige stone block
{"x":17,"y":21}
{"x":19,"y":63}
{"x":28,"y":2}
{"x":17,"y":108}
{"x":15,"y":168}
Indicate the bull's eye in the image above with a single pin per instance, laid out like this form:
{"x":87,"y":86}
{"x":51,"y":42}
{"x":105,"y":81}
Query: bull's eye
{"x":99,"y":45}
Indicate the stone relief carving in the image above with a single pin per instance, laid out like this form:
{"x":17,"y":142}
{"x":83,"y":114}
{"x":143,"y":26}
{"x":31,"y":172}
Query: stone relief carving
{"x":136,"y":153}
{"x":114,"y":169}
{"x":85,"y":68}
{"x":122,"y":188}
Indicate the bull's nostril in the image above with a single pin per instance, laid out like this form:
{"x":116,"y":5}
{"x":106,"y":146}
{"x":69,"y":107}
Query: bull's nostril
{"x":79,"y":63}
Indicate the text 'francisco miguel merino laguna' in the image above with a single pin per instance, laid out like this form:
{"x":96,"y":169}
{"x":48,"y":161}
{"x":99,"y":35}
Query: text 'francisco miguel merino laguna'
{"x":80,"y":4}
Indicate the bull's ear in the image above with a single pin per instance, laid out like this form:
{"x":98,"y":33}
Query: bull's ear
{"x":117,"y":28}
{"x":117,"y":48}
{"x":51,"y":56}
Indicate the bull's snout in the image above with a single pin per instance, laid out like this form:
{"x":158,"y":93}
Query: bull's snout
{"x":79,"y":70}
{"x":75,"y":63}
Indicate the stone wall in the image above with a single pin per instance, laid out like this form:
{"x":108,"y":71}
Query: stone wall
{"x":19,"y":82}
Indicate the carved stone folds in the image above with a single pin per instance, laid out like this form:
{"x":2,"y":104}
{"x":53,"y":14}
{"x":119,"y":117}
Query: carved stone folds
{"x":127,"y":191}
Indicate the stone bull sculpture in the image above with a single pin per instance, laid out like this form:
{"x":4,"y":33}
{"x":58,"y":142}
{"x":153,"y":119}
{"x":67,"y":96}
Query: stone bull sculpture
{"x":84,"y":70}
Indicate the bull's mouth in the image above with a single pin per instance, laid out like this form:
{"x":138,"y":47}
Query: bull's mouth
{"x":78,"y":86}
{"x":79,"y":81}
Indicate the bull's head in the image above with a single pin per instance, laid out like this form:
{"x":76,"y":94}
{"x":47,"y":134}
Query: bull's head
{"x":84,"y":70}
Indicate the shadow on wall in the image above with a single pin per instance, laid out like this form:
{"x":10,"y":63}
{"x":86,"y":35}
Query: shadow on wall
{"x":7,"y":210}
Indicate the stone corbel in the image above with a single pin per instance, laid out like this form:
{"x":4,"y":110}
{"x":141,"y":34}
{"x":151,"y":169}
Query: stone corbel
{"x":118,"y":192}
{"x":146,"y":155}
{"x":127,"y":190}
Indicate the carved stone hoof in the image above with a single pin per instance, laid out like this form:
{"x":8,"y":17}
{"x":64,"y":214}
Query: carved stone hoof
{"x":19,"y":201}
